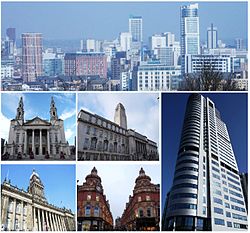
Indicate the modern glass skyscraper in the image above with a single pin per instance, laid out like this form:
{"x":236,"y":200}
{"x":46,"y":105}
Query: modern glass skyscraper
{"x":135,"y":28}
{"x":32,"y":62}
{"x":212,"y":37}
{"x":206,"y":193}
{"x":190,"y":34}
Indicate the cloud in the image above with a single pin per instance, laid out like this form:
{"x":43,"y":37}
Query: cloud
{"x":5,"y":126}
{"x":68,"y":134}
{"x":67,"y":114}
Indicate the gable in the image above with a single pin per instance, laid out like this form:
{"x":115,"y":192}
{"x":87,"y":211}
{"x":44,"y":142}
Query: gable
{"x":37,"y":121}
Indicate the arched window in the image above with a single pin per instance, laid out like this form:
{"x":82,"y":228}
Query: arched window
{"x":96,"y":211}
{"x":140,"y":213}
{"x":87,"y":210}
{"x":149,"y":212}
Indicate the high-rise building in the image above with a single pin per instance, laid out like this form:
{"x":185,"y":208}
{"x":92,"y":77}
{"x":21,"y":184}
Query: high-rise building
{"x":125,"y":41}
{"x":190,"y":34}
{"x":135,"y":28}
{"x":212,"y":37}
{"x":244,"y":183}
{"x":11,"y":34}
{"x":32,"y":62}
{"x":206,"y":193}
{"x":85,"y":64}
{"x":239,"y":44}
{"x":157,"y":41}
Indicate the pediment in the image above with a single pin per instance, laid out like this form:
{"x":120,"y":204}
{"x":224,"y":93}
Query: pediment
{"x":37,"y":121}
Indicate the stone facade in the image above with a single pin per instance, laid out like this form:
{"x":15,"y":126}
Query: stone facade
{"x":101,"y":139}
{"x":142,"y":212}
{"x":29,"y":210}
{"x":36,"y":138}
{"x":93,"y":208}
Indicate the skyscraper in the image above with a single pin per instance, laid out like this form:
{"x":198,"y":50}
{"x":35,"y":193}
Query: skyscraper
{"x":135,"y":28}
{"x":11,"y":34}
{"x":190,"y":34}
{"x":32,"y":65}
{"x":212,"y":37}
{"x":206,"y":193}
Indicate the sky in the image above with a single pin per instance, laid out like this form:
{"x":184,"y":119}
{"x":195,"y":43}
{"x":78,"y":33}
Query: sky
{"x":38,"y":104}
{"x":105,"y":20}
{"x":233,"y":110}
{"x":142,"y":110}
{"x":118,"y":181}
{"x":58,"y":180}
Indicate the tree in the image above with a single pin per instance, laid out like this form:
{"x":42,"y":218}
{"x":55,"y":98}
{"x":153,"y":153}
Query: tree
{"x":208,"y":79}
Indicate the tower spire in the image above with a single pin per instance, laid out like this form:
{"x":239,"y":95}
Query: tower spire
{"x":53,"y":110}
{"x":120,"y":116}
{"x":20,"y":111}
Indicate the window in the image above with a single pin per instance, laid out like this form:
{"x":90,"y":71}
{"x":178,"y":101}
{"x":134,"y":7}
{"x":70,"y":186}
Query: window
{"x":228,"y":214}
{"x":236,"y":201}
{"x":139,"y":198}
{"x":204,"y":210}
{"x":147,"y":198}
{"x":227,"y":205}
{"x":218,"y":201}
{"x":204,"y":199}
{"x":238,"y":216}
{"x":218,"y":210}
{"x":216,"y":191}
{"x":200,"y":223}
{"x":88,"y":197}
{"x":234,"y":207}
{"x":140,"y":213}
{"x":218,"y":221}
{"x":97,"y":198}
{"x":88,"y":130}
{"x":226,"y":197}
{"x":149,"y":212}
{"x":229,"y":224}
{"x":96,"y":211}
{"x":87,"y":210}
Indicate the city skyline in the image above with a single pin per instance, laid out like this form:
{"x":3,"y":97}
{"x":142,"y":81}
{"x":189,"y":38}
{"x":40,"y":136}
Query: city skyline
{"x":236,"y":125}
{"x":65,"y":104}
{"x":220,"y":14}
{"x":19,"y":175}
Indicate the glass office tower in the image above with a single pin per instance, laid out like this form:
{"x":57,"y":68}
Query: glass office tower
{"x":206,"y":193}
{"x":190,"y":34}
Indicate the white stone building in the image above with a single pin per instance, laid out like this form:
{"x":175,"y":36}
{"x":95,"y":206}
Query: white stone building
{"x":30,"y":211}
{"x":36,"y":138}
{"x":101,"y":139}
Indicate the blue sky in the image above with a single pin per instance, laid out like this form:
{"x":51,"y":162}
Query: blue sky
{"x":105,"y":20}
{"x":59,"y":181}
{"x":118,"y":181}
{"x":233,"y":110}
{"x":142,"y":109}
{"x":38,"y":104}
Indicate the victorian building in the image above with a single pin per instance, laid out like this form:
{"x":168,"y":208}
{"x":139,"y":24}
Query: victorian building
{"x":102,"y":139}
{"x":92,"y":206}
{"x":30,"y":211}
{"x":142,"y":212}
{"x":36,"y":138}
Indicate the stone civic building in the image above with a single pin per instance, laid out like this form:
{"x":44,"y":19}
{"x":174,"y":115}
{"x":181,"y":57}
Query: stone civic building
{"x":93,"y":207}
{"x":102,"y":139}
{"x":29,"y":210}
{"x":36,"y":138}
{"x":142,"y":212}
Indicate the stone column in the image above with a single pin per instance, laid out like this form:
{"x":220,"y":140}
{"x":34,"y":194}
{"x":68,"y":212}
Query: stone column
{"x":33,"y":141}
{"x":25,"y":142}
{"x":39,"y":220}
{"x":54,"y":222}
{"x":5,"y":206}
{"x":41,"y":143}
{"x":58,"y":223}
{"x":20,"y":142}
{"x":34,"y":219}
{"x":13,"y":216}
{"x":51,"y":222}
{"x":21,"y":223}
{"x":43,"y":219}
{"x":63,"y":222}
{"x":48,"y":142}
{"x":60,"y":220}
{"x":47,"y":221}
